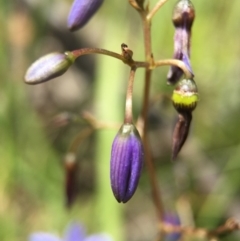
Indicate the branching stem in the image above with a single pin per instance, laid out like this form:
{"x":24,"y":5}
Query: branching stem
{"x":158,"y":5}
{"x":84,"y":51}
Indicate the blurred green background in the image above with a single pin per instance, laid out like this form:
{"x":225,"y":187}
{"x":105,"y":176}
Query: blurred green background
{"x":202,"y":186}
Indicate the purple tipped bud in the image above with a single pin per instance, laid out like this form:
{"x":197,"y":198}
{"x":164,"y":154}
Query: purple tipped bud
{"x":126,"y":162}
{"x":183,"y":14}
{"x":81,"y":12}
{"x":48,"y":67}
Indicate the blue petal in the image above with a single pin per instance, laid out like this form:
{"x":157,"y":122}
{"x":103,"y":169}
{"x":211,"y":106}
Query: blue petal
{"x":99,"y":237}
{"x":74,"y":232}
{"x":43,"y":237}
{"x":186,"y":60}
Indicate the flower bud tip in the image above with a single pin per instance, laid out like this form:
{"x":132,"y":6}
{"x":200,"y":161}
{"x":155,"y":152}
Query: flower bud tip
{"x":81,"y":12}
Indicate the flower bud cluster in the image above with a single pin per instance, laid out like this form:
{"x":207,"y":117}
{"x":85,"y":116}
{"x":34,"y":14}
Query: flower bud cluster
{"x":183,"y":17}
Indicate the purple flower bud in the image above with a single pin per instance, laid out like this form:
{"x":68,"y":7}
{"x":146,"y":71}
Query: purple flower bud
{"x":174,"y":220}
{"x":181,"y":52}
{"x":48,"y":67}
{"x":183,"y":17}
{"x":126,"y":162}
{"x":81,"y":12}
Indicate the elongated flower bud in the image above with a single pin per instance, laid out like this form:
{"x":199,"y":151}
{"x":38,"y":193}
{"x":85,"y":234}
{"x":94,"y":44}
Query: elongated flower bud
{"x":81,"y":12}
{"x":126,"y":162}
{"x":183,"y":17}
{"x":185,"y":96}
{"x":48,"y":67}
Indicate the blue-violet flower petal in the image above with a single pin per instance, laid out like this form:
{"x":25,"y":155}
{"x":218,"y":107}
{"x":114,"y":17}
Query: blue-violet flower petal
{"x":41,"y":236}
{"x":81,"y":12}
{"x":75,"y":232}
{"x":172,"y":219}
{"x":126,"y":162}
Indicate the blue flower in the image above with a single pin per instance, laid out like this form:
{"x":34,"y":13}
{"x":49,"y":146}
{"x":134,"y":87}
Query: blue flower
{"x":74,"y":232}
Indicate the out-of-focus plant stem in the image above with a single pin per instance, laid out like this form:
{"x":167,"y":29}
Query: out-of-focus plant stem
{"x":109,"y":108}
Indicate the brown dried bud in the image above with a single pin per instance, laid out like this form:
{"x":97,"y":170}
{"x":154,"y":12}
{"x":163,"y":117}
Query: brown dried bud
{"x":180,"y":132}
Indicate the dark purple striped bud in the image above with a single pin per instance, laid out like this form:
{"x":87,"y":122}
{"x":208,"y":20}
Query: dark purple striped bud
{"x":81,"y":12}
{"x":48,"y":67}
{"x":183,"y":17}
{"x":126,"y":162}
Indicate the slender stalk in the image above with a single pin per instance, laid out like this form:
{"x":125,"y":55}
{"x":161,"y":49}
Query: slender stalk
{"x":147,"y":37}
{"x":158,"y":5}
{"x":79,"y":52}
{"x":128,"y":108}
{"x":78,"y":139}
{"x":148,"y":157}
{"x":84,"y":51}
{"x":144,"y":120}
{"x":177,"y":63}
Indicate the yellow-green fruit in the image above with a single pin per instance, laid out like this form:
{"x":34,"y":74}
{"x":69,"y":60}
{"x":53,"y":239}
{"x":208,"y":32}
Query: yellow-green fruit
{"x":185,"y":95}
